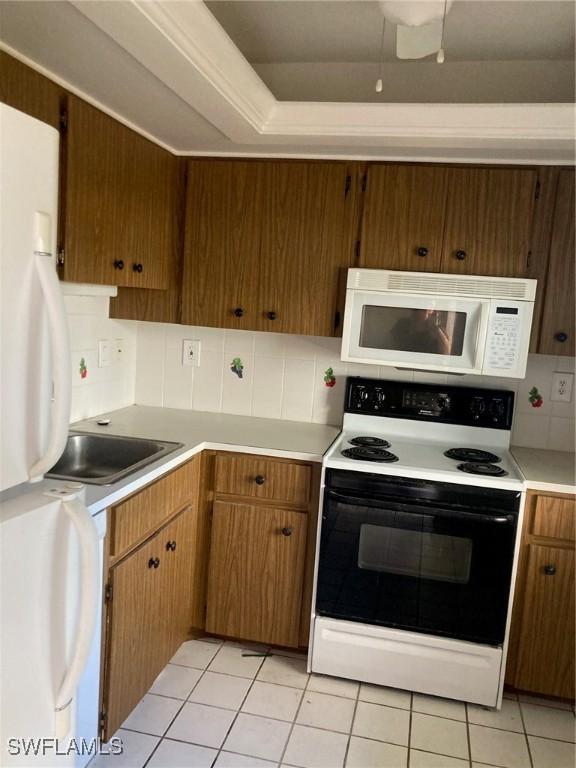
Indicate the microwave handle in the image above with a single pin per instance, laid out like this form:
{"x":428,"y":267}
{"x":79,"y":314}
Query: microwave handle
{"x":436,"y":512}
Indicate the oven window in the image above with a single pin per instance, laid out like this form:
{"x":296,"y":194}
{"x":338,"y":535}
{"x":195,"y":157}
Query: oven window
{"x":413,"y":553}
{"x":406,"y":329}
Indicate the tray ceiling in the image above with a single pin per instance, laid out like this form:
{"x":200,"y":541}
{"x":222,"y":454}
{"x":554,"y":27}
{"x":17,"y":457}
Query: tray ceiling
{"x":244,"y":84}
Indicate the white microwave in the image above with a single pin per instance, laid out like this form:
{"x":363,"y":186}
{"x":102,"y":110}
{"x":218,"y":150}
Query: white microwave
{"x":436,"y":322}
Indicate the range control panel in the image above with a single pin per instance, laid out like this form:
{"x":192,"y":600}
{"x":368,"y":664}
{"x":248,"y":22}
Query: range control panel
{"x":430,"y":402}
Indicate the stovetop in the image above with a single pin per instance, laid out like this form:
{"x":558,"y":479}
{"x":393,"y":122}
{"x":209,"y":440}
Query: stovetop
{"x":431,"y":432}
{"x":425,"y":459}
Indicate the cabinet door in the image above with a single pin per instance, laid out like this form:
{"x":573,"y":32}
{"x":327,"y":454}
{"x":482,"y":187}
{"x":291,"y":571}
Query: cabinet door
{"x":557,"y":330}
{"x":222,"y":243}
{"x":488,"y":221}
{"x":255,"y":574}
{"x":308,"y":230}
{"x":148,"y":616}
{"x":403,"y":217}
{"x":546,"y":647}
{"x":119,"y":196}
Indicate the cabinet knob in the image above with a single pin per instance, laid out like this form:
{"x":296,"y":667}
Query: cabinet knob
{"x":259,"y":479}
{"x":137,"y":267}
{"x":286,"y":531}
{"x":550,"y":570}
{"x":170,"y":546}
{"x":118,"y":264}
{"x":238,"y":311}
{"x":561,"y":337}
{"x":154,"y":562}
{"x":460,"y":255}
{"x":271,"y":315}
{"x":421,"y":251}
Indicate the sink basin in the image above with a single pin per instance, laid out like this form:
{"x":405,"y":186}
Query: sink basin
{"x":104,"y":459}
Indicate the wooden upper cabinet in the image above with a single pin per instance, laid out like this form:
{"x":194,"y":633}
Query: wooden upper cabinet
{"x":488,"y":221}
{"x":265,"y":242}
{"x":308,"y":228}
{"x":222,"y":243}
{"x":557,"y":331}
{"x":119,"y":195}
{"x":403,"y":221}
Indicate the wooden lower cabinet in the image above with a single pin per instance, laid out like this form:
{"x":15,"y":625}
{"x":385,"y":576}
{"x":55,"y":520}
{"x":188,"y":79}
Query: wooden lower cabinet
{"x":256,"y":573}
{"x":542,"y":642}
{"x":148,"y":616}
{"x":546,"y":648}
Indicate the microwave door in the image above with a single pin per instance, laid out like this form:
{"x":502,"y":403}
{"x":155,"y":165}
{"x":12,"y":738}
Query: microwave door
{"x":443,"y":334}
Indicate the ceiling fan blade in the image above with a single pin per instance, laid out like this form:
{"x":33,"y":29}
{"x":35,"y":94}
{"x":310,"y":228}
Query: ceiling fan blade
{"x":418,"y":42}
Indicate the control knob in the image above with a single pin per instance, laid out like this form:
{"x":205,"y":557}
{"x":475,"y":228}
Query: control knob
{"x":477,"y":407}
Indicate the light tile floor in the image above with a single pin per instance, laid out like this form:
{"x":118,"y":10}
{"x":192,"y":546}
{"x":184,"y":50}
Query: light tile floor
{"x":225,"y":705}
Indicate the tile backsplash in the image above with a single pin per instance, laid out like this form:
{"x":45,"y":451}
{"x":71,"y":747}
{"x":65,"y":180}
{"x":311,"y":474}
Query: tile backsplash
{"x":301,"y":378}
{"x":97,"y":389}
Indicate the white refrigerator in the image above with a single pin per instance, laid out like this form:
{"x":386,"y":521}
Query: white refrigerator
{"x":50,"y":545}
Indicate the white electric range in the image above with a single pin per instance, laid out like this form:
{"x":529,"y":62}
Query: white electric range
{"x":417,"y":542}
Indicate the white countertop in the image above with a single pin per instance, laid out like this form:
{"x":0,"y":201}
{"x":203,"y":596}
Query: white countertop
{"x":200,"y":431}
{"x":544,"y":470}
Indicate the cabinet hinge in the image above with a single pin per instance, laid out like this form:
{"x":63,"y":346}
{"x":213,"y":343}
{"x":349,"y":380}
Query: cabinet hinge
{"x":357,"y":249}
{"x":60,"y":257}
{"x":108,"y":593}
{"x":364,"y":182}
{"x":63,"y":120}
{"x":537,"y":190}
{"x":347,"y":185}
{"x":528,"y":260}
{"x":336,"y":319}
{"x":102,"y":721}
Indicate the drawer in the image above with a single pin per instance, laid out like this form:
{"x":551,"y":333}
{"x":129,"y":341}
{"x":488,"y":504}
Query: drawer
{"x":262,"y":478}
{"x":142,"y":513}
{"x":554,"y":518}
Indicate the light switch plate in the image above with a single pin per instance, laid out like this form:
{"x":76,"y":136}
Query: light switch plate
{"x":562,"y":384}
{"x":105,"y":353}
{"x":191,"y":352}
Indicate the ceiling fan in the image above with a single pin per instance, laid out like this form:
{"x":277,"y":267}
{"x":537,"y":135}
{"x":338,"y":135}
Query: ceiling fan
{"x":419,"y":28}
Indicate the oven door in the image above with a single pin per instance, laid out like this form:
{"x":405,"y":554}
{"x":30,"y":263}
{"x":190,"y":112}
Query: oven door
{"x":415,"y":331}
{"x":421,"y":567}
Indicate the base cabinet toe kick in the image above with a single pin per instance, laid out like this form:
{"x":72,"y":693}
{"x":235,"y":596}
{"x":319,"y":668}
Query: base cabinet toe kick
{"x":407,"y":660}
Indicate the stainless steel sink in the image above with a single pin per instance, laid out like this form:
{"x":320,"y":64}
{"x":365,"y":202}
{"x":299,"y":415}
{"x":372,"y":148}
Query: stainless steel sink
{"x":105,"y":459}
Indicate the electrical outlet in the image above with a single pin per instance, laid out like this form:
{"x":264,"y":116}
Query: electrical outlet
{"x":562,"y":384}
{"x":105,"y":353}
{"x":191,"y":352}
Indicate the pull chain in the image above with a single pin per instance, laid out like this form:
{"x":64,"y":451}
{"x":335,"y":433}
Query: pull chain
{"x":440,"y":54}
{"x":379,"y":81}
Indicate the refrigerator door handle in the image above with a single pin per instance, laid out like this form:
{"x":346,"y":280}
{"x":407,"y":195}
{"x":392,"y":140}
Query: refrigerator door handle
{"x":89,"y":604}
{"x":60,"y":353}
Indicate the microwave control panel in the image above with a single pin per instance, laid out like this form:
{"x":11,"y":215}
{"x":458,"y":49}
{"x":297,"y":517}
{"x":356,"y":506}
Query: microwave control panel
{"x":504,"y":337}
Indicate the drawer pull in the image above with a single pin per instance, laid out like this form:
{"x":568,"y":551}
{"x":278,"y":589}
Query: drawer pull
{"x":137,"y":267}
{"x":170,"y":546}
{"x":118,"y":264}
{"x":259,"y":479}
{"x":286,"y":531}
{"x":561,"y":337}
{"x":550,"y":570}
{"x":460,"y":255}
{"x":154,"y":562}
{"x":422,"y":252}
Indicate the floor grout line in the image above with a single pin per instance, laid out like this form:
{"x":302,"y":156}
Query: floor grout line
{"x":303,"y":691}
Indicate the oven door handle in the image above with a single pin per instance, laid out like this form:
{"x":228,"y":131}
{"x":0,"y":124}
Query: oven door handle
{"x":436,"y":512}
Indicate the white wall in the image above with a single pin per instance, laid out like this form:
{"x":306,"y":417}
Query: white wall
{"x":283,"y":378}
{"x":102,"y":389}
